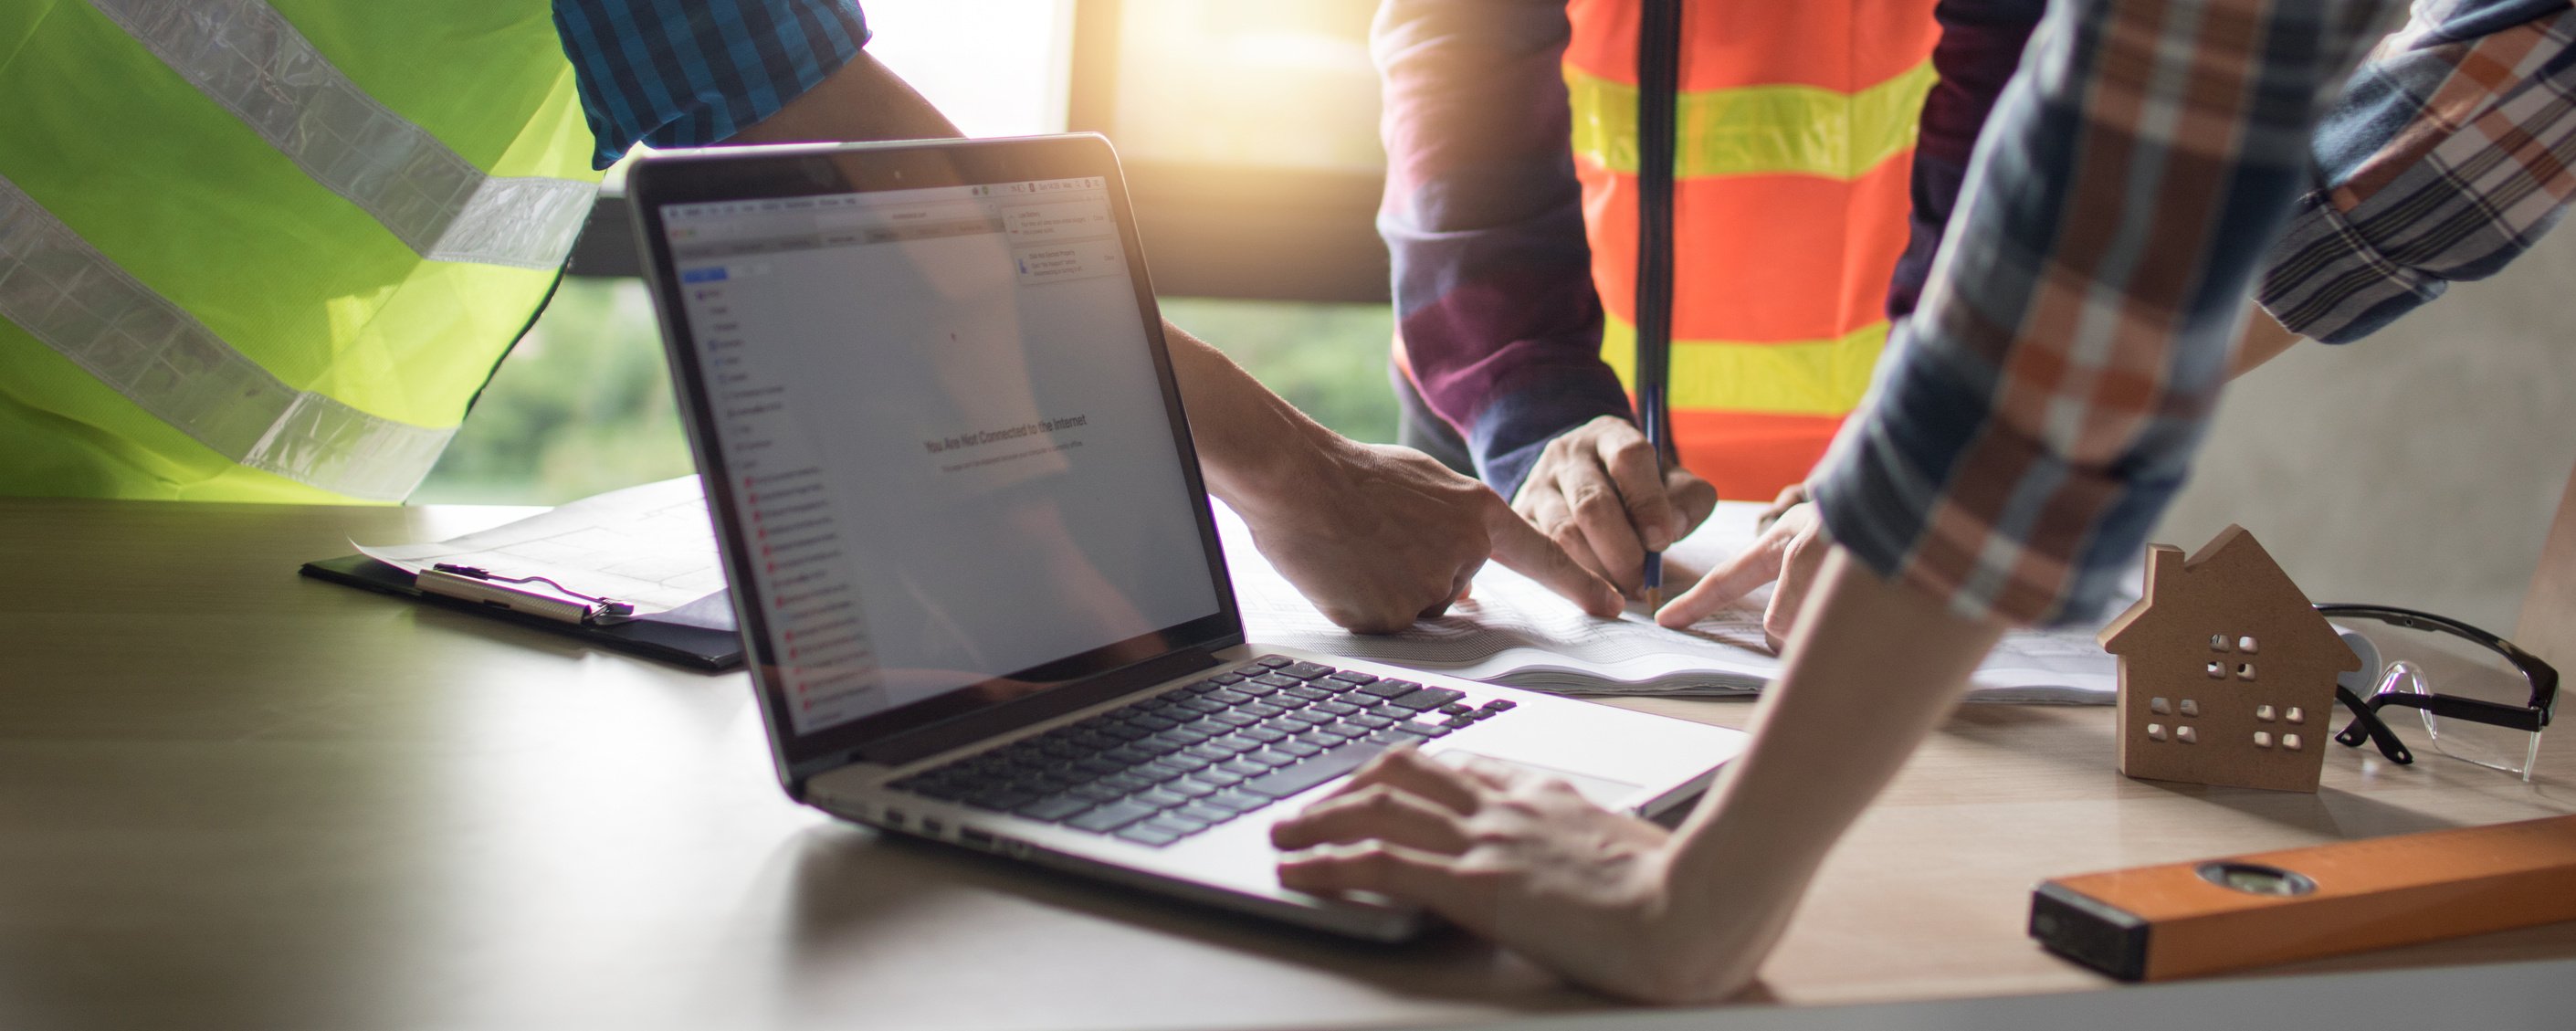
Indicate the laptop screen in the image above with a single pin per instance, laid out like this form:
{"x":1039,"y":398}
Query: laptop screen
{"x":948,"y":457}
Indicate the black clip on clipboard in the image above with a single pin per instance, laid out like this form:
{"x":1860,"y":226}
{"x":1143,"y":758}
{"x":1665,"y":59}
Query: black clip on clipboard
{"x":594,"y":620}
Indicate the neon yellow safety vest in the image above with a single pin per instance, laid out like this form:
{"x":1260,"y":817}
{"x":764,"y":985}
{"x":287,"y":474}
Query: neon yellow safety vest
{"x":267,"y":250}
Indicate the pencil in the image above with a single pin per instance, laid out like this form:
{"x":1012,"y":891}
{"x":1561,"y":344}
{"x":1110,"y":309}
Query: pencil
{"x":1658,"y":99}
{"x":1650,"y":410}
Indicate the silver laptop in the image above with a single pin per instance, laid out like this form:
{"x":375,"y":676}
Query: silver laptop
{"x":969,"y":546}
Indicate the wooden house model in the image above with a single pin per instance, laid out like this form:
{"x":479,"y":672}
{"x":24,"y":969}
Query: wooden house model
{"x":2227,"y":675}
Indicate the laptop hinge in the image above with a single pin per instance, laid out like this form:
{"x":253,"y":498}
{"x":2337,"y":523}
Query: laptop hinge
{"x":940,"y":737}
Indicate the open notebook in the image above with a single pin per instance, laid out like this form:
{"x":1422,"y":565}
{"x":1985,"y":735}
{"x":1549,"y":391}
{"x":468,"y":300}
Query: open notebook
{"x":1514,"y":631}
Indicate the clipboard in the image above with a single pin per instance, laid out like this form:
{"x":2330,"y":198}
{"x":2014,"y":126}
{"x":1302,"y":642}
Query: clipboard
{"x":712,"y":651}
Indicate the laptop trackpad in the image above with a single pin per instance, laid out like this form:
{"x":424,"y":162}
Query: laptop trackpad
{"x":1600,"y":791}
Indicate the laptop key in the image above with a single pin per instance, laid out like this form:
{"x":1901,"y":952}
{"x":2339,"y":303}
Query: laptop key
{"x":1040,"y":786}
{"x":1144,"y":835}
{"x":1152,"y":722}
{"x":1243,"y":767}
{"x":1263,"y":734}
{"x":1254,"y":689}
{"x":1336,"y":708}
{"x":1424,"y":729}
{"x":1127,"y":730}
{"x":1099,"y":766}
{"x":1224,"y":697}
{"x":1352,"y":676}
{"x":1306,"y":670}
{"x":1234,"y":800}
{"x":1001,"y":801}
{"x":1217,"y":777}
{"x":1205,"y":813}
{"x":1209,"y":752}
{"x":1160,"y":799}
{"x":1273,"y":661}
{"x":1158,"y":771}
{"x":1259,"y":710}
{"x":1124,"y":782}
{"x":1110,"y":817}
{"x":1190,"y":786}
{"x":1428,"y":698}
{"x":1269,"y":758}
{"x":1278,"y":681}
{"x":1304,"y":775}
{"x":1050,"y":810}
{"x":1389,"y":688}
{"x":1297,"y":749}
{"x":1176,"y":824}
{"x":1101,"y":791}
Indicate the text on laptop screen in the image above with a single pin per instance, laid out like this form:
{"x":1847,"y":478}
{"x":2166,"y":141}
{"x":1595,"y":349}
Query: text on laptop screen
{"x":944,"y":432}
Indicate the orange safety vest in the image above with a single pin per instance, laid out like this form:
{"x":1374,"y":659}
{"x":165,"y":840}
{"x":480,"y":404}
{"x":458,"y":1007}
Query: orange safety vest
{"x":1795,"y":133}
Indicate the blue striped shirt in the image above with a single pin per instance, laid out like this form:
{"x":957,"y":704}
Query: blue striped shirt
{"x":683,"y":73}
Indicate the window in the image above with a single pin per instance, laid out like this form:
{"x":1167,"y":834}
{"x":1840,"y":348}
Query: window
{"x":583,"y":404}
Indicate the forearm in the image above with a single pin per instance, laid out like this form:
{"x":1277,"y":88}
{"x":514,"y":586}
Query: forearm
{"x":2262,"y":339}
{"x":1874,"y":666}
{"x":1483,"y":223}
{"x":1258,"y":451}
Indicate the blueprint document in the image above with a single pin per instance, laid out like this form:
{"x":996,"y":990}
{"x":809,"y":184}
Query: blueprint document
{"x":1513,"y":631}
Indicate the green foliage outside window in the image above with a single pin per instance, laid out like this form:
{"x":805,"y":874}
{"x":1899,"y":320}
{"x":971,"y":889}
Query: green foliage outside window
{"x":583,"y":405}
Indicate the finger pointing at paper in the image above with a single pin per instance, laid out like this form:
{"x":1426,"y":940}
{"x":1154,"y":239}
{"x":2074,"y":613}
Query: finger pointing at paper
{"x":1791,"y":552}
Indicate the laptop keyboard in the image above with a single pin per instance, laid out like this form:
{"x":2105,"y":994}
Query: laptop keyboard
{"x":1162,"y":769}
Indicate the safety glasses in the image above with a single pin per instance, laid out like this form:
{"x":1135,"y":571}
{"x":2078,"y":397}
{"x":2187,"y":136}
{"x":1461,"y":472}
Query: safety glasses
{"x":2492,"y":702}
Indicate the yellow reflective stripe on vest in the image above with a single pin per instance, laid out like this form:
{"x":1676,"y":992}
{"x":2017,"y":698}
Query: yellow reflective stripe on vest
{"x":1807,"y":377}
{"x":245,"y":56}
{"x":1757,"y":130}
{"x":64,"y":292}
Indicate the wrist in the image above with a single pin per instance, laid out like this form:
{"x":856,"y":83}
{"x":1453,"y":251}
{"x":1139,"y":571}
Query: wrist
{"x":1285,"y":468}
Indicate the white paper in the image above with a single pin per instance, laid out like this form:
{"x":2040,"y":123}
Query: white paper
{"x":649,"y":546}
{"x":652,"y":546}
{"x":1512,"y":630}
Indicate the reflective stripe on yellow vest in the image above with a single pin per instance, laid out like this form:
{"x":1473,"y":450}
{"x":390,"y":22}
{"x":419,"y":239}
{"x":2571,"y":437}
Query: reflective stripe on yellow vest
{"x":269,"y":250}
{"x":1796,"y":128}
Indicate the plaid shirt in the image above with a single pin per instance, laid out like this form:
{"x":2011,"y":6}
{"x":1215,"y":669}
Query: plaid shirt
{"x":673,"y":74}
{"x":2041,"y":406}
{"x":2447,"y":157}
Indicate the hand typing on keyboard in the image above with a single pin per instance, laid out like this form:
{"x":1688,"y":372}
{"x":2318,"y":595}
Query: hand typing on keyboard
{"x":1511,"y":854}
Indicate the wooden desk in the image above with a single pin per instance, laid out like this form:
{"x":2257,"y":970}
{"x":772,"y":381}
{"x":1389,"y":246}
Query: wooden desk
{"x":237,"y":798}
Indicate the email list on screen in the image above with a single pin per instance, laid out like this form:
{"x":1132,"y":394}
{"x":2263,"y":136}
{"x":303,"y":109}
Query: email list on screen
{"x":946,"y":434}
